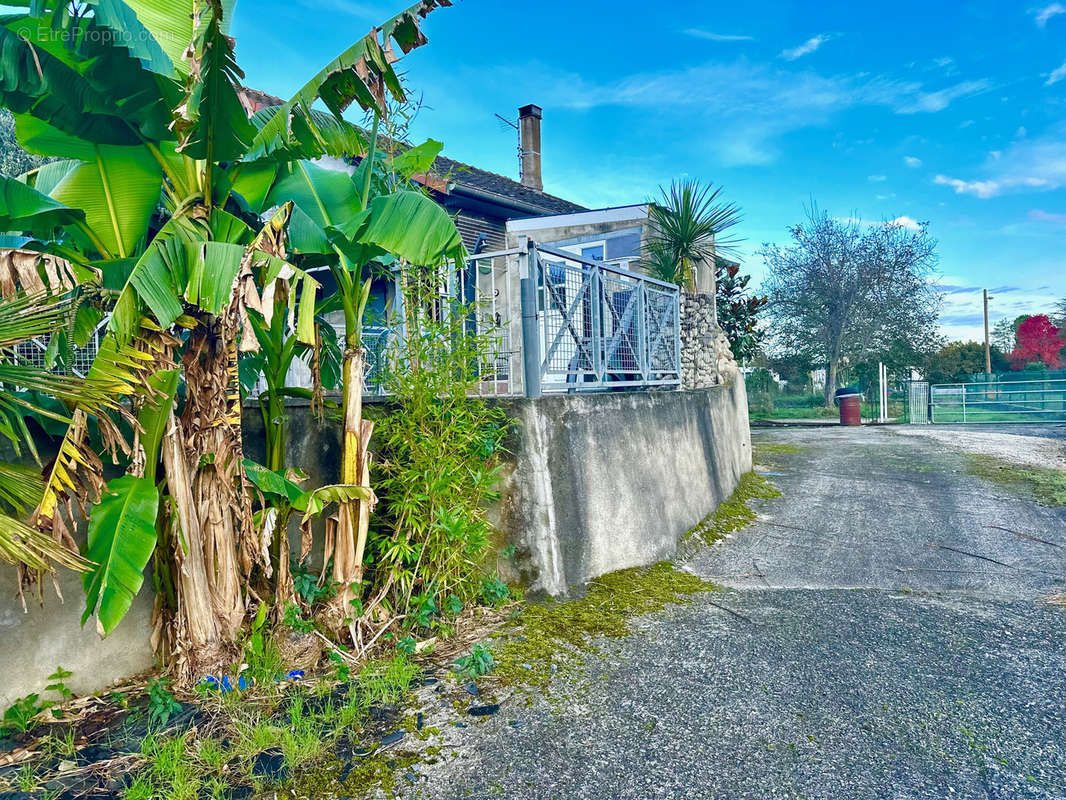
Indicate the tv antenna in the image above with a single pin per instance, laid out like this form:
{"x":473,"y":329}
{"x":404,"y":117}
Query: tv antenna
{"x":514,"y":125}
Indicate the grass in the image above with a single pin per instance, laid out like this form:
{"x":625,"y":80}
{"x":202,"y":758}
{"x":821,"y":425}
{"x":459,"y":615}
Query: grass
{"x":735,"y":513}
{"x":811,"y":407}
{"x":1046,"y":486}
{"x":303,"y":723}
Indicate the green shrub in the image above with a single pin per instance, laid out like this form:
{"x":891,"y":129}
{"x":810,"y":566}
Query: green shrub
{"x":438,"y":448}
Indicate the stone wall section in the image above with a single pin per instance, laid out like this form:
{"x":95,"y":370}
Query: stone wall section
{"x":706,"y":358}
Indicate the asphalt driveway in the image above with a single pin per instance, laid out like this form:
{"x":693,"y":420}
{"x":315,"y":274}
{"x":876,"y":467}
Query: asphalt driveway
{"x":886,"y":637}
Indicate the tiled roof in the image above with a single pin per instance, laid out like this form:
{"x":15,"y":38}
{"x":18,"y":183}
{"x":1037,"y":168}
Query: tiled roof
{"x":503,"y":187}
{"x":462,"y":174}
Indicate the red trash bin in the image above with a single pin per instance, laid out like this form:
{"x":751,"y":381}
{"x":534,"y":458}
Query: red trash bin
{"x":850,"y":409}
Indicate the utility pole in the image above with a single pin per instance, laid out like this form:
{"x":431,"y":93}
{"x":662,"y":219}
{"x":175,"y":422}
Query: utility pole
{"x":988,"y":348}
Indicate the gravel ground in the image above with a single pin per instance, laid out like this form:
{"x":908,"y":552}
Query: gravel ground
{"x":1040,"y":445}
{"x":885,"y":638}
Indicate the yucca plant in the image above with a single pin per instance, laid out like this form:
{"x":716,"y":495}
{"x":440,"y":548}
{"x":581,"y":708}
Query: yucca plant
{"x":159,"y":191}
{"x":687,"y":228}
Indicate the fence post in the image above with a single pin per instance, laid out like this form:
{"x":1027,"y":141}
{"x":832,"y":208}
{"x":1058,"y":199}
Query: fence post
{"x":595,"y":344}
{"x":641,"y":347}
{"x":528,"y":271}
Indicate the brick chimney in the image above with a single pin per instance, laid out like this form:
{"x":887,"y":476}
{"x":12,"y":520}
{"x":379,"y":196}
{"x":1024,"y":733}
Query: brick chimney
{"x":529,"y":128}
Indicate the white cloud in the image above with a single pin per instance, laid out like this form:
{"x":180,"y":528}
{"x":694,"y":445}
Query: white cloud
{"x":961,"y":315}
{"x":1044,"y":14}
{"x":736,"y":111}
{"x":912,"y":162}
{"x":1029,"y":164}
{"x":942,"y":98}
{"x":808,"y":47}
{"x":699,"y":33}
{"x":877,"y":178}
{"x":1056,"y":75}
{"x":991,"y":188}
{"x":909,"y":223}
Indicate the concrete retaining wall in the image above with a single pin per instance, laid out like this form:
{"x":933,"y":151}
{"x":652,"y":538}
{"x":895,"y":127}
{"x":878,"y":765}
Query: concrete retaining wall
{"x":608,"y":481}
{"x":598,"y":482}
{"x":34,"y":643}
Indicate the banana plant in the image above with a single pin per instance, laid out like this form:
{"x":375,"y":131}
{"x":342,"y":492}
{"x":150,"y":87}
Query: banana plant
{"x":343,"y":219}
{"x":158,"y":193}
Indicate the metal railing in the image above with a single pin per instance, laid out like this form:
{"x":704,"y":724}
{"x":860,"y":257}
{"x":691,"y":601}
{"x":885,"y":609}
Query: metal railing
{"x":602,"y":327}
{"x":998,"y":401}
{"x":556,"y":321}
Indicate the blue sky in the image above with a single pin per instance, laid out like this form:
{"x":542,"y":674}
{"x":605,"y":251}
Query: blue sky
{"x":947,"y":112}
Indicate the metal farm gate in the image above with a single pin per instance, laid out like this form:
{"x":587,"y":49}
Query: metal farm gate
{"x":988,"y":401}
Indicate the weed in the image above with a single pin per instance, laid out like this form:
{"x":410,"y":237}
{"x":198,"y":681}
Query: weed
{"x":734,"y":513}
{"x":1046,"y":486}
{"x":293,"y":618}
{"x":140,"y":788}
{"x":260,"y":652}
{"x":210,"y":752}
{"x":26,"y":778}
{"x":423,"y":609}
{"x":61,"y":745}
{"x":494,"y":592}
{"x":385,"y":682}
{"x":453,"y":605}
{"x":305,"y":581}
{"x":170,"y":774}
{"x":161,"y":703}
{"x":342,"y":670}
{"x":550,"y":637}
{"x":479,"y":662}
{"x":254,"y":736}
{"x":57,"y":685}
{"x":22,"y":711}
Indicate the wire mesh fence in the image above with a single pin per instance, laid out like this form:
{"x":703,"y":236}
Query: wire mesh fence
{"x":999,"y":401}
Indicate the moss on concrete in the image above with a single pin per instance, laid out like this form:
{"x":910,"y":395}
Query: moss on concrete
{"x":549,"y":639}
{"x":767,"y":450}
{"x":1046,"y":486}
{"x":734,"y":513}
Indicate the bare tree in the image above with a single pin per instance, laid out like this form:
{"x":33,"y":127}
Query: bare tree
{"x":845,"y":291}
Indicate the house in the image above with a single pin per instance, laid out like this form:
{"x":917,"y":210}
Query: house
{"x":592,"y":332}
